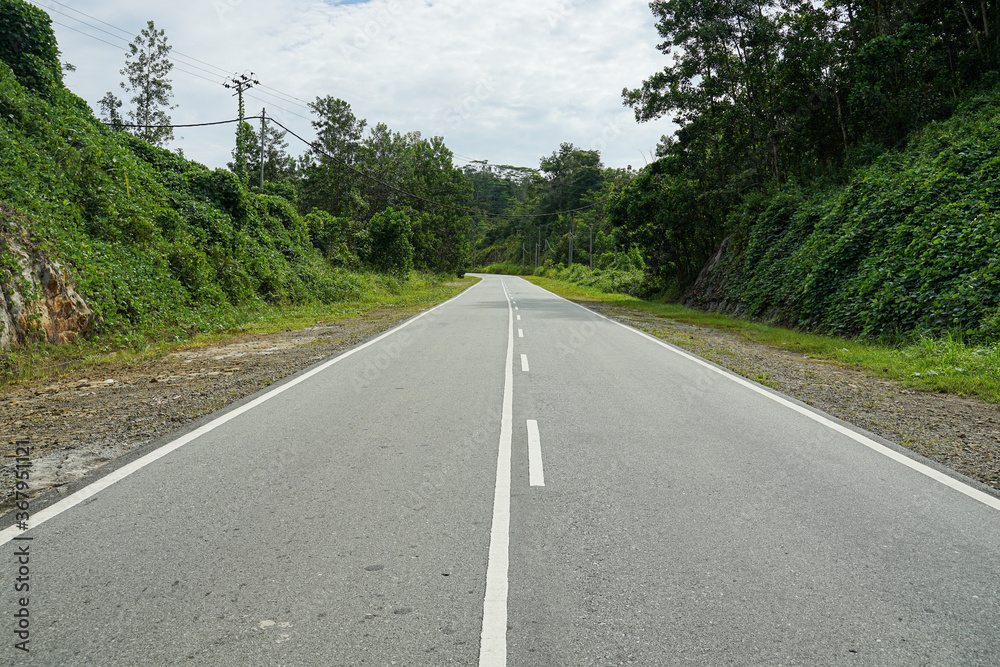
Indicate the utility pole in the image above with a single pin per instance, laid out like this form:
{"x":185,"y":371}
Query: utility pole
{"x":572,"y":229}
{"x":591,"y":246}
{"x":240,"y":82}
{"x":263,"y":112}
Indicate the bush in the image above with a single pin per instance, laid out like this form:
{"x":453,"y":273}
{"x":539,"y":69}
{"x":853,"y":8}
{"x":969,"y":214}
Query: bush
{"x":390,"y":250}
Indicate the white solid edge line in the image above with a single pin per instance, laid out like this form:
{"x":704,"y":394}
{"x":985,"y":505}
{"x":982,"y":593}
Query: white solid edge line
{"x":536,"y":475}
{"x":99,"y":485}
{"x":493,"y":641}
{"x":936,"y":475}
{"x":524,"y":363}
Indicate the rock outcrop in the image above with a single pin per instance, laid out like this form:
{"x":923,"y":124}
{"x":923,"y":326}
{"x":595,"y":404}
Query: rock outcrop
{"x":38,"y":301}
{"x":710,"y":291}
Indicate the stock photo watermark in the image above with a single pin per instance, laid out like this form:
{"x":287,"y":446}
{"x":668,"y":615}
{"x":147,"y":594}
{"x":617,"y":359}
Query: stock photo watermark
{"x":461,"y":111}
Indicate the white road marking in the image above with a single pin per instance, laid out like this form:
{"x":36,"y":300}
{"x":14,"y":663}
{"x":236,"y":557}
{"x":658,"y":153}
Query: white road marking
{"x":536,"y":476}
{"x":520,"y":333}
{"x":518,"y":318}
{"x":55,"y":509}
{"x":524,"y":363}
{"x":493,"y":641}
{"x":899,"y":457}
{"x":516,"y":308}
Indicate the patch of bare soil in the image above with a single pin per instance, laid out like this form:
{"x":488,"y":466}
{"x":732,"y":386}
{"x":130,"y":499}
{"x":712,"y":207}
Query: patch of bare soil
{"x":81,"y":420}
{"x":960,"y":433}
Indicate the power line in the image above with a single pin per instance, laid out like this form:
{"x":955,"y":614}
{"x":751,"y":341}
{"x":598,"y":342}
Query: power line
{"x":117,"y":46}
{"x":199,"y":76}
{"x":217,"y":122}
{"x":290,"y":99}
{"x":73,"y":18}
{"x":88,"y":16}
{"x":291,"y":113}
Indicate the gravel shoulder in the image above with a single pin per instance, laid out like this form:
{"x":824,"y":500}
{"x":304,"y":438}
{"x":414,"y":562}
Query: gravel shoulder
{"x":960,"y":433}
{"x":79,"y":421}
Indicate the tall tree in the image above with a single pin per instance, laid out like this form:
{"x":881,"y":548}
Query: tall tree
{"x":328,"y":182}
{"x":147,"y":66}
{"x":278,"y":164}
{"x":570,"y":173}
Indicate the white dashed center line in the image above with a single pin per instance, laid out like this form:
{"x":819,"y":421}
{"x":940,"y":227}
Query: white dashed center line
{"x":536,"y":476}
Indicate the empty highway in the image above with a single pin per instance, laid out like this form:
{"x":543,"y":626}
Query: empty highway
{"x":511,"y":479}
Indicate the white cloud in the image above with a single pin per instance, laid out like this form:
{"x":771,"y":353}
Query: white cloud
{"x":507,"y":82}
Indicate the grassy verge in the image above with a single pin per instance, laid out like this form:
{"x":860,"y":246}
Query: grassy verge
{"x":419,"y":292}
{"x":927,"y":364}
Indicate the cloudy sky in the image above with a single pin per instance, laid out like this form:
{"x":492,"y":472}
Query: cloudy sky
{"x":505,"y":81}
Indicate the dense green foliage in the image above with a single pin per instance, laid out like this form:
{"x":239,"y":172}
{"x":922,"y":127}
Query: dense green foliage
{"x":160,"y":245}
{"x":553,"y":214}
{"x":816,"y":138}
{"x":389,"y":243}
{"x":29,"y":47}
{"x":356,"y":177}
{"x":911,"y":243}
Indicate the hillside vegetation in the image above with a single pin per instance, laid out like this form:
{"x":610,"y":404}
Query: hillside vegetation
{"x":910,"y":245}
{"x":161,"y":246}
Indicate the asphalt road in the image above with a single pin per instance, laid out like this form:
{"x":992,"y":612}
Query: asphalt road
{"x":385,"y":508}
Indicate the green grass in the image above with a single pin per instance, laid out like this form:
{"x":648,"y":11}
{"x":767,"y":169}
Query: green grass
{"x":418,"y":293}
{"x":944,"y":364}
{"x":378,"y":295}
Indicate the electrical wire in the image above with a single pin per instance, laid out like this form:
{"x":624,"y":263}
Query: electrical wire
{"x":89,"y":16}
{"x":218,"y":122}
{"x":275,"y":106}
{"x":290,"y":99}
{"x":296,"y":102}
{"x":117,"y":46}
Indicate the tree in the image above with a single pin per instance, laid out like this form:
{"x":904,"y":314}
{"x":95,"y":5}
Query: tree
{"x":278,"y":164}
{"x":390,"y":250}
{"x":570,"y":174}
{"x":110,"y":112}
{"x":328,"y":181}
{"x":147,"y":65}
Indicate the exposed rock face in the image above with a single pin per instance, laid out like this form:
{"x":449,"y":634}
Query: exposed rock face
{"x":37,"y":299}
{"x":709,"y":291}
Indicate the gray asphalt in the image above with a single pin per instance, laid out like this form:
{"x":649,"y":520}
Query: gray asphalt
{"x":685,"y":519}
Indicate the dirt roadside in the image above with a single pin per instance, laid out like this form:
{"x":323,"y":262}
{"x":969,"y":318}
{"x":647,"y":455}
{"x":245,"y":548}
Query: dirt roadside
{"x":79,"y":421}
{"x":960,"y":433}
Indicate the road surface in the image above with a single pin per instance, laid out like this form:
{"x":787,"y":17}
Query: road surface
{"x":511,"y":479}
